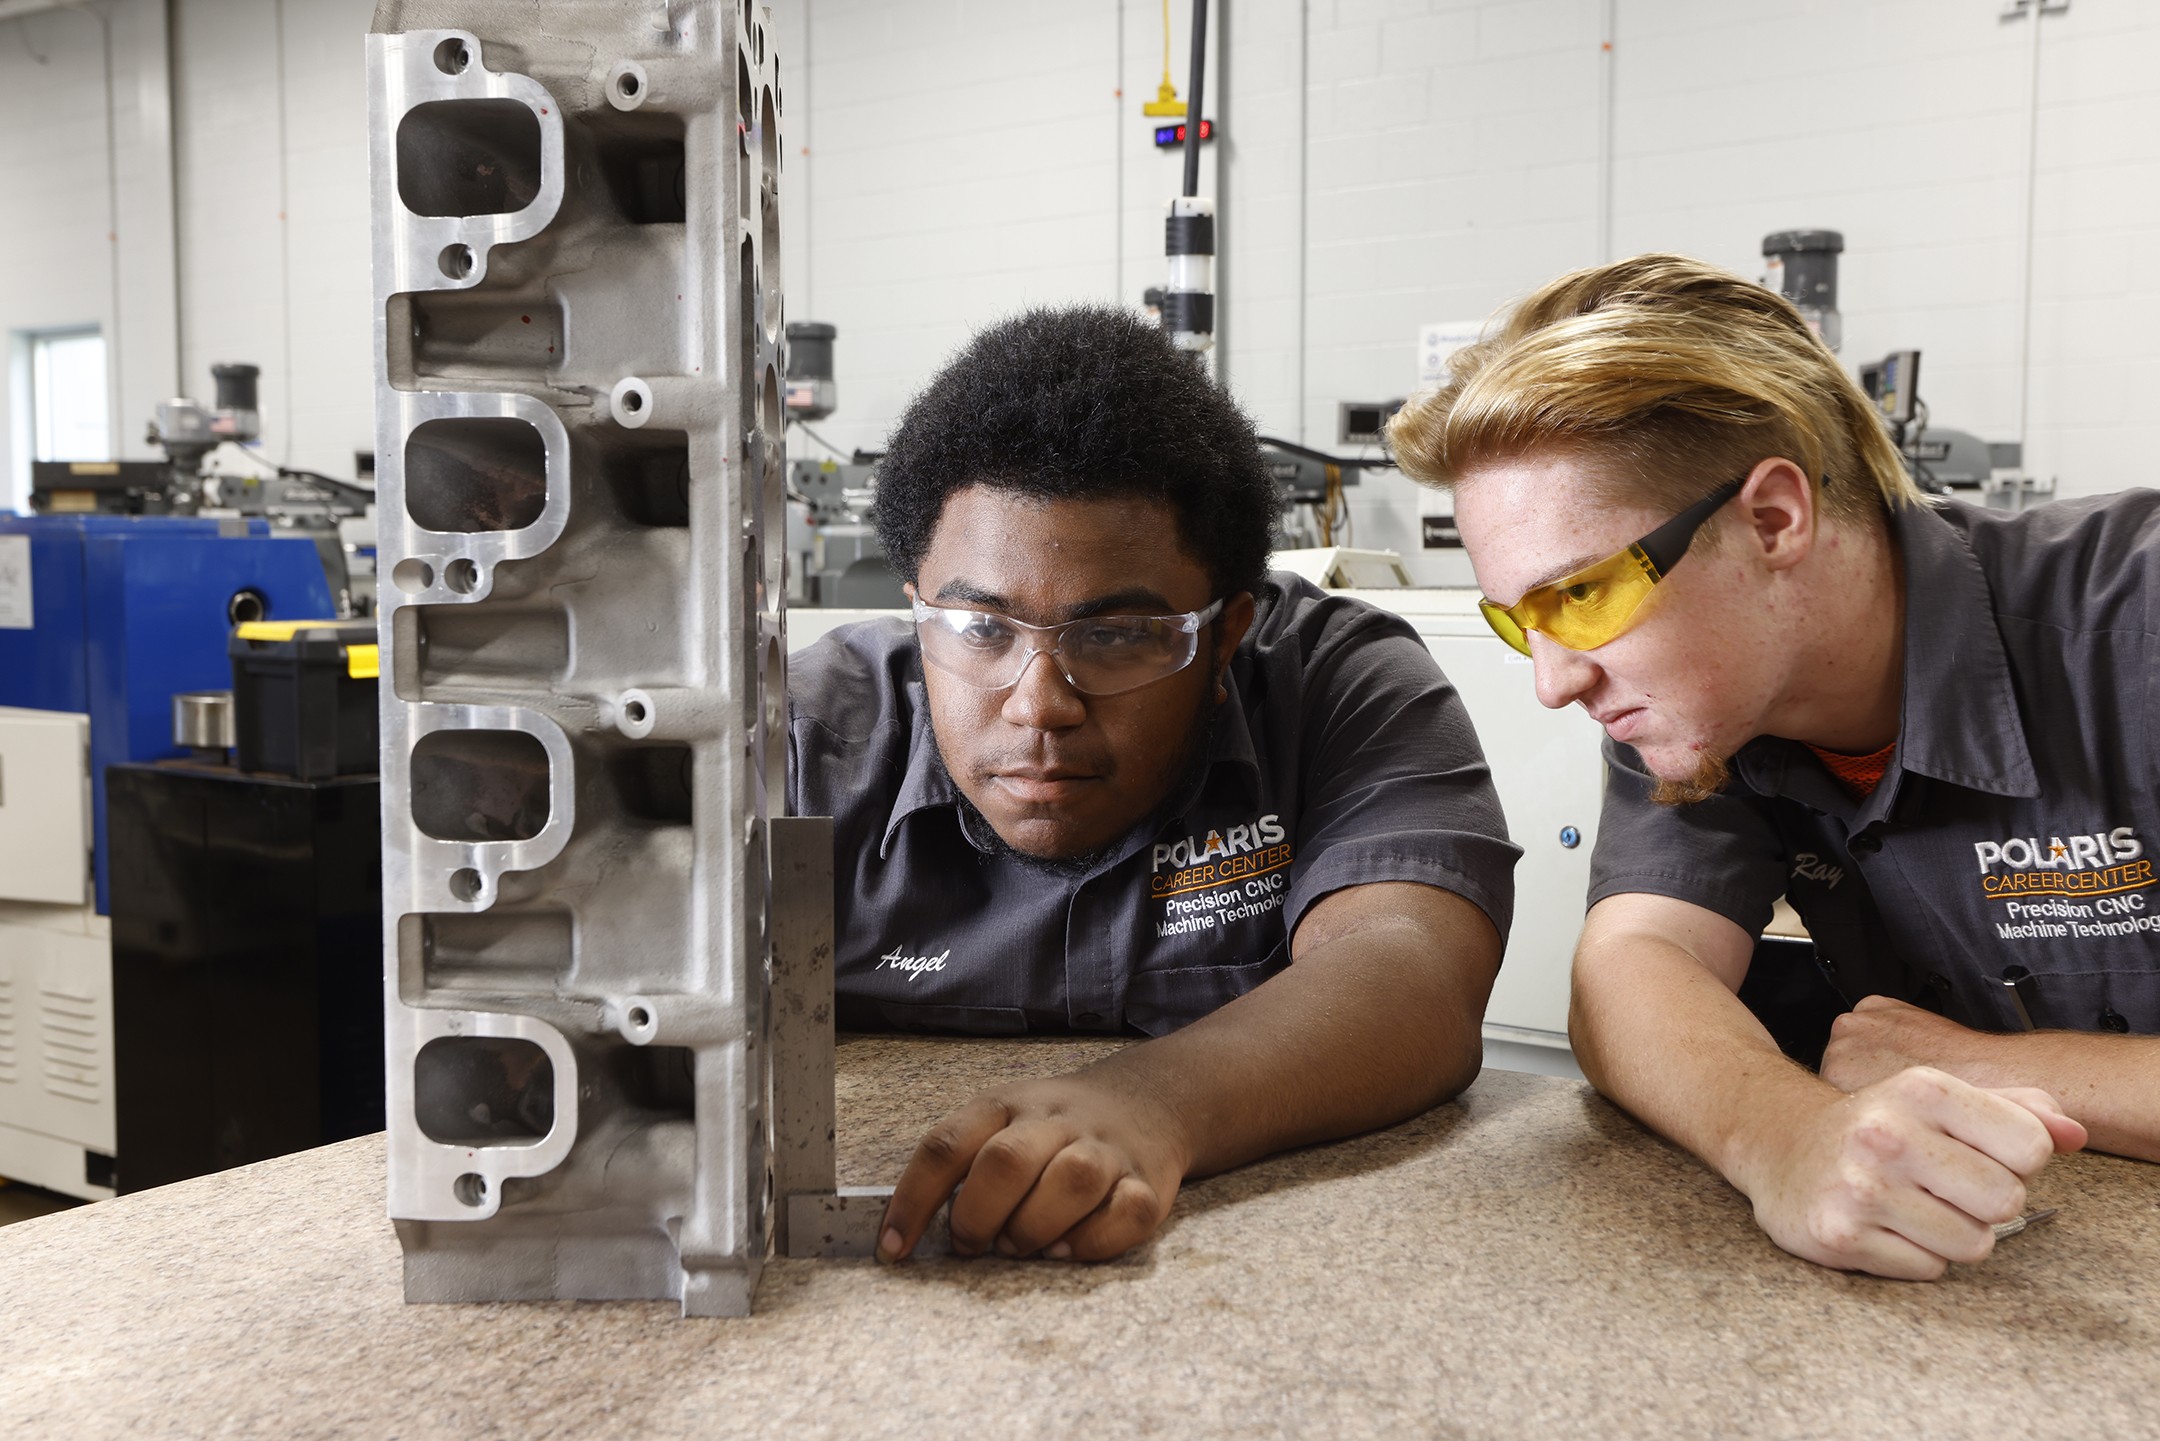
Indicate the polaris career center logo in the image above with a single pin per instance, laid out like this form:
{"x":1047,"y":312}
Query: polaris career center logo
{"x":1196,"y":850}
{"x":2101,"y":861}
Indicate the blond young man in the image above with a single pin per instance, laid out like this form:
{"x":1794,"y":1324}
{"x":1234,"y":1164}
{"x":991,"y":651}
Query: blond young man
{"x":1935,"y":728}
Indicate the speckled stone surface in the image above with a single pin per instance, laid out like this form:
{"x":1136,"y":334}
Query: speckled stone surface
{"x":1525,"y":1262}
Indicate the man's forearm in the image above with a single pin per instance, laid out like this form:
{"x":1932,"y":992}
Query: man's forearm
{"x":1360,"y":1033}
{"x":2110,"y":1083}
{"x":1661,"y":1037}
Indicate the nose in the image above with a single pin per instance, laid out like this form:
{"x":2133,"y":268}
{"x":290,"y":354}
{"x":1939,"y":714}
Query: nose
{"x":1042,"y":699}
{"x":1563,"y":676}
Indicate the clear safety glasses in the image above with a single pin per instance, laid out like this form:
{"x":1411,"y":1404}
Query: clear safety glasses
{"x":1598,"y":603}
{"x":1098,"y":655}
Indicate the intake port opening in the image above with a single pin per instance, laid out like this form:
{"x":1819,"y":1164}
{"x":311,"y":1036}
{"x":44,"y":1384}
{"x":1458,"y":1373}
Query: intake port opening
{"x":654,"y":782}
{"x":459,"y":336}
{"x":648,"y":474}
{"x":475,"y":473}
{"x":449,"y":645}
{"x":641,"y":159}
{"x":483,"y":1091}
{"x":468,"y":157}
{"x":479,"y":785}
{"x":494,"y":951}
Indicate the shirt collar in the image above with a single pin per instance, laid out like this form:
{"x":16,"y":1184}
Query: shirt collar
{"x":1960,"y":720}
{"x":927,"y":784}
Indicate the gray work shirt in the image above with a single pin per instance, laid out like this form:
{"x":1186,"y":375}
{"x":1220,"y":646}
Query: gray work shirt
{"x":1342,"y":757}
{"x":2016,"y":824}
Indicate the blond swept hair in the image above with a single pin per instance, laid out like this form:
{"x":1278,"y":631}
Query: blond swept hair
{"x":1668,"y":376}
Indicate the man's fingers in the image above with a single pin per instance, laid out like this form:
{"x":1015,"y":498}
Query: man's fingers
{"x":940,"y":1160}
{"x":1126,"y":1217}
{"x":1888,"y":1155}
{"x":1844,"y":1229}
{"x":1886,"y":1253}
{"x":1072,"y":1185}
{"x":1938,"y":1227}
{"x":1005,"y":1170}
{"x":2066,"y":1132}
{"x":1843,"y":1066}
{"x":1990,"y":1123}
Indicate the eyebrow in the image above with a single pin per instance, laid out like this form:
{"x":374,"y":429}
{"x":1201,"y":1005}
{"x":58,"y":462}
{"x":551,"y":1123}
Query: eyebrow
{"x":1560,"y":572}
{"x":1133,"y":598}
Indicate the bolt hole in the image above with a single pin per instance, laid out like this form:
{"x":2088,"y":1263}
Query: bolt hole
{"x":640,"y":1018}
{"x":470,"y":1188}
{"x":413,"y":576}
{"x":633,"y":402}
{"x":451,"y":57}
{"x":461,"y":576}
{"x":634,"y":712}
{"x":627,"y":84}
{"x":457,"y":261}
{"x":245,"y":606}
{"x":465,"y":884}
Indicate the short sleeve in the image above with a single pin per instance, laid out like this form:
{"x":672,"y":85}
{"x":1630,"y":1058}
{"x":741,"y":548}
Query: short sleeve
{"x":1722,"y":854}
{"x":1395,"y":785}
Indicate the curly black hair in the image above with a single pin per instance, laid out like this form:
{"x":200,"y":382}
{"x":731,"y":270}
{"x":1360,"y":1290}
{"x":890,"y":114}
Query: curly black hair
{"x":1078,"y":403}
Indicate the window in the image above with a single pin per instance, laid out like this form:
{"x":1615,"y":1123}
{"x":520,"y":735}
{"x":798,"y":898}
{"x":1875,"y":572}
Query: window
{"x":60,"y":401}
{"x":67,"y":396}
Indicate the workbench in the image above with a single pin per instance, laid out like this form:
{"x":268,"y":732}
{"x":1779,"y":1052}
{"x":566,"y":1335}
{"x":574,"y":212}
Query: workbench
{"x":1525,"y":1261}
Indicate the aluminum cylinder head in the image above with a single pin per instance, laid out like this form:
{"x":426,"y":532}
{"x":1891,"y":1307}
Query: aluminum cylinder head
{"x":578,"y":339}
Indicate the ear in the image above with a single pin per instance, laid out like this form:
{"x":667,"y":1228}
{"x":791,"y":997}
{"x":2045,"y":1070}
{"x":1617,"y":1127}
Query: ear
{"x":1235,"y":620}
{"x":907,"y":588}
{"x":1778,"y":506}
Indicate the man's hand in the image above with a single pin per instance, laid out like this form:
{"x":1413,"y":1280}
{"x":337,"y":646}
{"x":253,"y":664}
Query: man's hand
{"x":2111,"y":1084}
{"x":1907,"y":1174}
{"x":1880,"y":1037}
{"x":1375,"y":1020}
{"x":1080,"y":1167}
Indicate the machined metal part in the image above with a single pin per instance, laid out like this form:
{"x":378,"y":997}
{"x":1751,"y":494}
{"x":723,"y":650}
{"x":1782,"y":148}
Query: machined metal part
{"x":580,"y":497}
{"x":802,"y":1016}
{"x":203,"y":720}
{"x":844,"y":1225}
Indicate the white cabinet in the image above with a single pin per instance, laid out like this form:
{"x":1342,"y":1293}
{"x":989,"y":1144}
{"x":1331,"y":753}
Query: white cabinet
{"x":56,"y":1047}
{"x":1548,"y":770}
{"x":45,"y":828}
{"x":56,"y":1031}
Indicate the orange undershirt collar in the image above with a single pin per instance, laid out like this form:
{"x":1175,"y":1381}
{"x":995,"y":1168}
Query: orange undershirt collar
{"x":1858,"y":774}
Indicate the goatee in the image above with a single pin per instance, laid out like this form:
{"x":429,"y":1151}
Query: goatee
{"x":1711,"y":775}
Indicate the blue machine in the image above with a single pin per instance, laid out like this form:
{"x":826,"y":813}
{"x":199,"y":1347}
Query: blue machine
{"x":127,"y":611}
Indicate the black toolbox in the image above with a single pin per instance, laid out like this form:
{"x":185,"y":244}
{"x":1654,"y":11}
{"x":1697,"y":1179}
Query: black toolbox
{"x":304,"y":698}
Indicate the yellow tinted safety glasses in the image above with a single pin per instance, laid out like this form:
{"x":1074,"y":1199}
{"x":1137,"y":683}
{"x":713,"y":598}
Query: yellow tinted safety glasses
{"x":1598,"y":603}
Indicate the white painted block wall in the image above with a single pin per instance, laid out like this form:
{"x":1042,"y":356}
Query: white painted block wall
{"x":1385,"y":163}
{"x":86,"y":212}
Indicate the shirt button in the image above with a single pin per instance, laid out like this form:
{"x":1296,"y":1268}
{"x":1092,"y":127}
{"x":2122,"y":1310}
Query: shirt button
{"x":1867,"y":843}
{"x":1087,"y":1018}
{"x":2111,"y":1020}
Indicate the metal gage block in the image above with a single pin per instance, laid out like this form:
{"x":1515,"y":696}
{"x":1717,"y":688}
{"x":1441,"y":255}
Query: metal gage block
{"x":578,"y":339}
{"x":843,"y":1225}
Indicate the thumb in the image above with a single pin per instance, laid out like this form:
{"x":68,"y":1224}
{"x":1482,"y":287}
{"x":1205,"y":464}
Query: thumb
{"x":2067,"y":1133}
